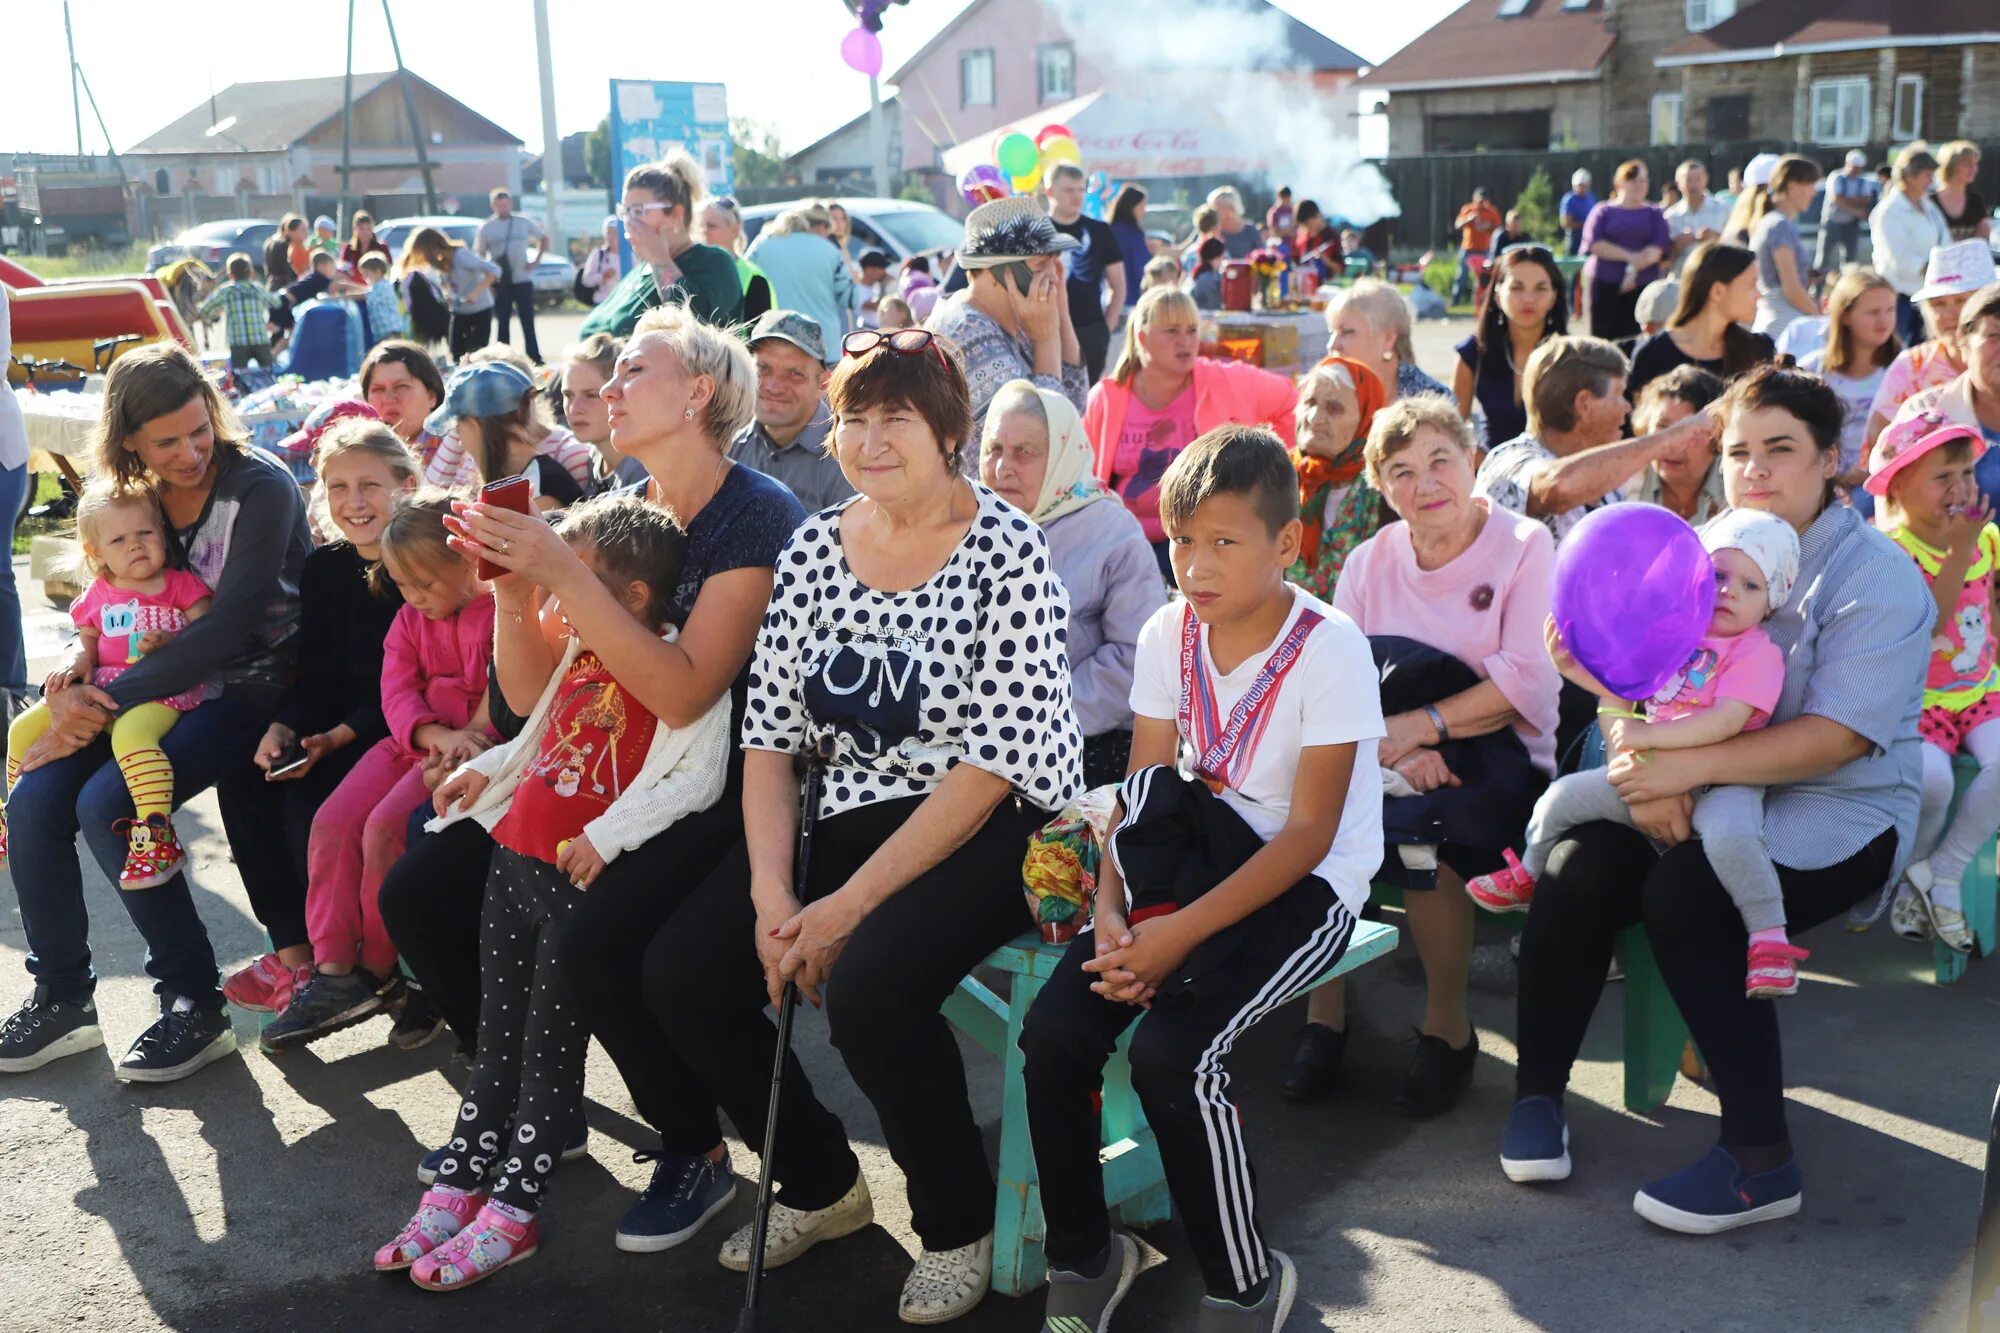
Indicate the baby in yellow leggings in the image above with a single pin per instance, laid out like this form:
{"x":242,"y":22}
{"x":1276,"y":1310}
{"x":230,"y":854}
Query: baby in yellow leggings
{"x":135,"y":603}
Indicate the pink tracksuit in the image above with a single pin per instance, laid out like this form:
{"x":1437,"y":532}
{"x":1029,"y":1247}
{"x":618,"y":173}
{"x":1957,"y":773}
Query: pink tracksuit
{"x":432,"y":671}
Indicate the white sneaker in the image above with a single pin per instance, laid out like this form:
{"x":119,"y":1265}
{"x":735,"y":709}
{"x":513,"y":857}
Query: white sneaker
{"x":947,"y":1283}
{"x":792,"y":1232}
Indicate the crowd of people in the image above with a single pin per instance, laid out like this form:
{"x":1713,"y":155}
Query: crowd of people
{"x":507,"y":710}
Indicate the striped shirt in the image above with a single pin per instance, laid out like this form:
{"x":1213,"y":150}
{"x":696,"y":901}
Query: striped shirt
{"x":1856,"y":634}
{"x":245,"y":311}
{"x":452,"y":467}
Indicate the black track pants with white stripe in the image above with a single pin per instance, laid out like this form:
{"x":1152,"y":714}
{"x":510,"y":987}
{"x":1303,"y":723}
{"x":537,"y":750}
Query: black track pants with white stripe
{"x":1177,"y":1059}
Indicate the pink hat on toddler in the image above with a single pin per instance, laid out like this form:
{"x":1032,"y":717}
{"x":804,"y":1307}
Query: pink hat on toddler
{"x":1907,"y":440}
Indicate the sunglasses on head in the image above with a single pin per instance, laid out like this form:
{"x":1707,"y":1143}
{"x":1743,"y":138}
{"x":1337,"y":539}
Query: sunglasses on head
{"x":907,"y":342}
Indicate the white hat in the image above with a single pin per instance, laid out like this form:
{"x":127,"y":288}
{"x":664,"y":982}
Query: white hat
{"x":1957,"y":270}
{"x":1762,"y":167}
{"x":1856,"y":158}
{"x":1766,"y":539}
{"x":1580,"y":174}
{"x":1010,"y":229}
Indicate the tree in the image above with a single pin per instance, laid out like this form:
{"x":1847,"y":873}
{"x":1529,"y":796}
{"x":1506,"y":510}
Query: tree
{"x":597,"y":154}
{"x":1537,"y":206}
{"x":760,"y":162}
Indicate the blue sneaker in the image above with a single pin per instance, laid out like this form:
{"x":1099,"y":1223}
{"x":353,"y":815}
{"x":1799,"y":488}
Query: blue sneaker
{"x":1714,"y":1195}
{"x":574,"y":1147}
{"x":686,"y":1192}
{"x":1535,"y":1144}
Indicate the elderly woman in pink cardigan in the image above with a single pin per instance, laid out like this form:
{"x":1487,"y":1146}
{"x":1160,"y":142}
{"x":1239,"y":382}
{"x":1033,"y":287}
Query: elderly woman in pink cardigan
{"x":1471,"y":581}
{"x":1161,"y":395}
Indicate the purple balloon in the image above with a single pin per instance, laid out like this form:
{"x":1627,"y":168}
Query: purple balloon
{"x":1633,"y":596}
{"x":982,"y":184}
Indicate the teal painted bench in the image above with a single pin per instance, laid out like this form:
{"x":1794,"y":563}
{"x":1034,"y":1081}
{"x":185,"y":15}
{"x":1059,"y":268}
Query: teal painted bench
{"x":1654,"y":1032}
{"x":1134,"y":1184}
{"x":1977,"y":892}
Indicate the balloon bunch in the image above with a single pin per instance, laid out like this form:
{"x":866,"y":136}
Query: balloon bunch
{"x":1023,"y":160}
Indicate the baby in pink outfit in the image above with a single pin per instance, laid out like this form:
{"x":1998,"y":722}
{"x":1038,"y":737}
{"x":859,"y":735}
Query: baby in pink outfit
{"x":1728,"y":685}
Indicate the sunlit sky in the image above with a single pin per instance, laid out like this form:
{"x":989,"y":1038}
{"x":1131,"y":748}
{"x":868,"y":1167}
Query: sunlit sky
{"x":779,"y":58}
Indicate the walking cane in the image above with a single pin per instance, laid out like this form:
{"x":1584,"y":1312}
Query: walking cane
{"x":787,"y":1002}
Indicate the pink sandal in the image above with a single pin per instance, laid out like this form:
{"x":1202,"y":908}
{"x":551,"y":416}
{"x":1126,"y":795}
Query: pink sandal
{"x":488,"y":1244}
{"x":439,"y":1217}
{"x":1508,"y":890}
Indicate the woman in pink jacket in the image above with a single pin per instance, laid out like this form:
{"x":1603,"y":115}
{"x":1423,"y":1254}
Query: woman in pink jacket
{"x":434,"y":699}
{"x":1161,"y":395}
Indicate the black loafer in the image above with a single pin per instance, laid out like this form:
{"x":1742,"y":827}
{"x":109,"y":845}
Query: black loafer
{"x":1315,"y":1070}
{"x":1438,"y":1076}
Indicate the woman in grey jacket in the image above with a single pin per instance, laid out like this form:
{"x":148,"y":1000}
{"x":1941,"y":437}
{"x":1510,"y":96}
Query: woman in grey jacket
{"x":1035,"y":455}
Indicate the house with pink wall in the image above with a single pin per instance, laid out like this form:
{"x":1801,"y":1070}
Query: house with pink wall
{"x":1001,"y":61}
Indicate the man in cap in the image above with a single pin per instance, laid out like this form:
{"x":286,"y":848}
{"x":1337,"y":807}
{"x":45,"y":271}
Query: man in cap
{"x":1574,"y":209}
{"x":1851,"y":195}
{"x":786,"y":437}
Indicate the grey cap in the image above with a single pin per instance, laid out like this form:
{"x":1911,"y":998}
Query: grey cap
{"x":801,"y":331}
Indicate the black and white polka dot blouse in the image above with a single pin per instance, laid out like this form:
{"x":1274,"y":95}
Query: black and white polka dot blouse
{"x":970,"y":666}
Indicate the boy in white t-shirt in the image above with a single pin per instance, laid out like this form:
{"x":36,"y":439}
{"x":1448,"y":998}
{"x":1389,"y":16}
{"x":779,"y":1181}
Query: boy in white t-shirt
{"x":1224,"y":891}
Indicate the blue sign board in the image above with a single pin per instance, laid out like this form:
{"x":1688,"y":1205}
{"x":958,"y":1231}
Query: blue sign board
{"x":651,"y":118}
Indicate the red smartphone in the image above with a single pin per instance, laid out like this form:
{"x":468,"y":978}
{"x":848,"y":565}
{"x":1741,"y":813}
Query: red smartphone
{"x":513,"y":493}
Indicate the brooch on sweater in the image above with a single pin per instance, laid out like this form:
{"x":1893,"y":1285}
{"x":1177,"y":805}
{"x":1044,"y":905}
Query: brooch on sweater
{"x":1482,"y":597}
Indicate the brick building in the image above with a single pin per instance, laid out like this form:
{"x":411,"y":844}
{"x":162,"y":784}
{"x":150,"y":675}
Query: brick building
{"x":1534,"y":74}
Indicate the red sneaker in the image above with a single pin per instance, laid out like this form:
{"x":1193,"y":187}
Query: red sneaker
{"x":1774,"y":969}
{"x":266,"y":986}
{"x":1508,"y":890}
{"x":153,"y":853}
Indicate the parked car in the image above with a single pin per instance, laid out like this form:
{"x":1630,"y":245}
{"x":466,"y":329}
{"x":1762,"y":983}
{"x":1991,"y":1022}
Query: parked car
{"x":554,"y":277}
{"x":900,"y":228}
{"x":395,"y":231}
{"x":213,"y":242}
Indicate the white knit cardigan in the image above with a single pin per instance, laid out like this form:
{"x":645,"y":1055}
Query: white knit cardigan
{"x":683,"y":772}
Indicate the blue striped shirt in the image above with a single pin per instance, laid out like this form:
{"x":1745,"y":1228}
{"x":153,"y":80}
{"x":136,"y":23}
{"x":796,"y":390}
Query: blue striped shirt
{"x":1856,"y":634}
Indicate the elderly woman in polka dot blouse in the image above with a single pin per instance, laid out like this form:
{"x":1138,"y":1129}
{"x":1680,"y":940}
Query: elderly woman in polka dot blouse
{"x":915,"y":636}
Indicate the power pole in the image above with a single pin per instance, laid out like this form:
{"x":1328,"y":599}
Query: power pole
{"x":347,"y":122}
{"x":410,"y":108}
{"x":75,"y":102}
{"x":878,"y":141}
{"x":552,"y":155}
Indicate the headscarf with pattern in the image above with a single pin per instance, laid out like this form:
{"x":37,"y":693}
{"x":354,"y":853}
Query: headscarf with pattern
{"x":1316,"y":472}
{"x":1069,"y":481}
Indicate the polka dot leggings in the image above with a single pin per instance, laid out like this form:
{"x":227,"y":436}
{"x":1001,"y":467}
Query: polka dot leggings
{"x":531,"y":1044}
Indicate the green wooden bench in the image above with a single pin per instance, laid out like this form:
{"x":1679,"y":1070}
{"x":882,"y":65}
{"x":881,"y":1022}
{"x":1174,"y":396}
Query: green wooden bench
{"x":1977,"y":892}
{"x":1135,"y":1186}
{"x":1654,"y":1032}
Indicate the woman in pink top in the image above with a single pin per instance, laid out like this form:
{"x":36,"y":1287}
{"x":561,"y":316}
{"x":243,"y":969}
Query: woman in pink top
{"x":1472,"y":582}
{"x":1161,"y":395}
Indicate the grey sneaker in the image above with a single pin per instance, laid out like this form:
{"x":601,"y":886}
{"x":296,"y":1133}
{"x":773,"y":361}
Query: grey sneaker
{"x":325,"y":1004}
{"x":1267,"y":1316}
{"x":1084,"y":1304}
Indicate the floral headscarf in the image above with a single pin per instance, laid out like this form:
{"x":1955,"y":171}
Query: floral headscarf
{"x":1317,"y":473}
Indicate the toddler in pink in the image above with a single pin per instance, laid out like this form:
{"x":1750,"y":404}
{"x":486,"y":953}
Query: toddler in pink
{"x":1728,"y":685}
{"x":434,"y":663}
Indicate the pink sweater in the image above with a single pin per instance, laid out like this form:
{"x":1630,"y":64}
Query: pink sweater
{"x":1486,"y":608}
{"x":435,"y":670}
{"x":1225,"y":393}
